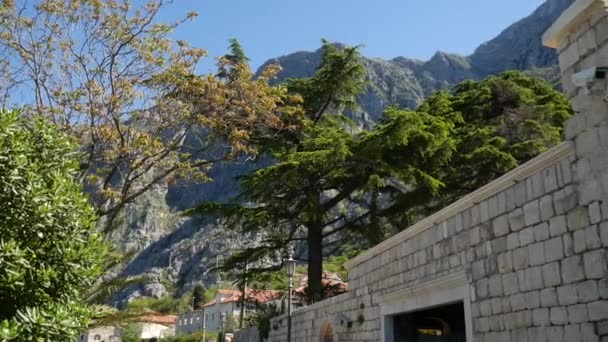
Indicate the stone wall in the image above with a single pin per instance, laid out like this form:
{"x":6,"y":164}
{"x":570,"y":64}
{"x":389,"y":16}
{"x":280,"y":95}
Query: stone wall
{"x":251,"y":334}
{"x":526,"y":254}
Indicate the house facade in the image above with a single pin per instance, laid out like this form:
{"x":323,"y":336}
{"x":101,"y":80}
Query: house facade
{"x":524,"y":258}
{"x":226,"y":305}
{"x":101,"y":334}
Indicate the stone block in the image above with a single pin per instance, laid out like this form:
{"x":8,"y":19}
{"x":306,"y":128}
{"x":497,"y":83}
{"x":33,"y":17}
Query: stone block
{"x":551,"y":274}
{"x":541,"y":232}
{"x":510,"y":283}
{"x":572,"y":332}
{"x":501,"y":200}
{"x":500,"y":226}
{"x":537,"y":334}
{"x":537,"y":254}
{"x":577,"y":218}
{"x":540,"y":317}
{"x":549,"y":176}
{"x":555,"y":334}
{"x":520,"y":194}
{"x":534,"y":278}
{"x":482,"y":324}
{"x":577,"y":123}
{"x":566,"y":295}
{"x":595,"y":264}
{"x":558,"y":225}
{"x":505,"y":262}
{"x":580,"y":241}
{"x":554,"y":249}
{"x":474,"y":236}
{"x":559,"y":315}
{"x":569,"y":57}
{"x":590,"y":189}
{"x":566,"y":169}
{"x":577,"y":313}
{"x":533,"y":300}
{"x":475,"y":215}
{"x":498,"y":245}
{"x":516,"y":219}
{"x":587,"y":143}
{"x":565,"y":200}
{"x":526,"y":236}
{"x":530,"y":189}
{"x":602,"y":328}
{"x":587,"y":291}
{"x":548,"y":298}
{"x":592,"y":237}
{"x":572,"y":269}
{"x":484,"y":211}
{"x":532,"y":213}
{"x":588,"y":333}
{"x":546,"y":208}
{"x":481,"y":288}
{"x":496,"y":304}
{"x":587,"y":43}
{"x":568,"y":244}
{"x":604,"y":233}
{"x":518,"y":302}
{"x":495,"y":286}
{"x":595,"y":212}
{"x":512,"y":241}
{"x":598,"y":310}
{"x":493,"y":209}
{"x":601,"y":30}
{"x":603,"y":288}
{"x":485,"y":308}
{"x":521,"y":258}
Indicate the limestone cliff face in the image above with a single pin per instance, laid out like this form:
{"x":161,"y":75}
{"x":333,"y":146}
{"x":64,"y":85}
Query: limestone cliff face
{"x":176,"y":250}
{"x":519,"y":46}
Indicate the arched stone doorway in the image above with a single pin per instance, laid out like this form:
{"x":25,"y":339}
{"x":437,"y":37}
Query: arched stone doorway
{"x":327,"y":333}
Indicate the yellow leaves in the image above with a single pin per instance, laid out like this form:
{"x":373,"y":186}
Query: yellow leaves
{"x":7,"y":4}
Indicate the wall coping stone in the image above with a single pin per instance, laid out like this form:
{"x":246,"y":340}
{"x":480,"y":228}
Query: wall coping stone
{"x":519,"y":174}
{"x":574,"y":16}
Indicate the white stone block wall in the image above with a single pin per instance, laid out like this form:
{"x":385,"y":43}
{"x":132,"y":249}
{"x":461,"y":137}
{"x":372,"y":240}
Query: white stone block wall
{"x":251,"y":334}
{"x":533,"y":244}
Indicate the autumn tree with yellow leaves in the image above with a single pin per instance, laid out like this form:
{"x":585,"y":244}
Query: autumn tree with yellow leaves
{"x":109,"y":74}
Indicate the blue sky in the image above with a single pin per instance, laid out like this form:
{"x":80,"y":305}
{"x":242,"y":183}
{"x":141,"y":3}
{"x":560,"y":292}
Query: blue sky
{"x":386,"y":28}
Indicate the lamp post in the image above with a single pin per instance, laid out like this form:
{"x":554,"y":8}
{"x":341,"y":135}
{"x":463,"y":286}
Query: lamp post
{"x":222,"y":321}
{"x":290,"y":267}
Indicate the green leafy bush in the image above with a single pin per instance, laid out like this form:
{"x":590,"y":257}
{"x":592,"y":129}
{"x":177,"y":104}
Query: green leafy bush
{"x":50,"y":252}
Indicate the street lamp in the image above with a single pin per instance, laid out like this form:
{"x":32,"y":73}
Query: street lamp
{"x":290,"y":267}
{"x":222,"y":322}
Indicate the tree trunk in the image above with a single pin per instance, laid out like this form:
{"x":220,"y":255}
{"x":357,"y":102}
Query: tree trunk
{"x":315,"y":263}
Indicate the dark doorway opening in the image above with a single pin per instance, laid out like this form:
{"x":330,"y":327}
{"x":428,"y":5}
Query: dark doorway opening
{"x":439,"y":324}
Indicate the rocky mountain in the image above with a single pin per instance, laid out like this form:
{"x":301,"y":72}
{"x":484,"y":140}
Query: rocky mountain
{"x":177,"y":251}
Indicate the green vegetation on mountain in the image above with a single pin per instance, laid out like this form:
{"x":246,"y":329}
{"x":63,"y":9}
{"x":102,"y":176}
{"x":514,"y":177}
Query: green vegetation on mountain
{"x":50,"y":252}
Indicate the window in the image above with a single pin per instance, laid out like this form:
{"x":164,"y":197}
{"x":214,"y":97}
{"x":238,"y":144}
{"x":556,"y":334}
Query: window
{"x":191,"y":320}
{"x":97,"y":338}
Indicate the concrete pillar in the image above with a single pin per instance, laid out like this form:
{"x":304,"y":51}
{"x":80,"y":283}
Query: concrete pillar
{"x":580,"y":36}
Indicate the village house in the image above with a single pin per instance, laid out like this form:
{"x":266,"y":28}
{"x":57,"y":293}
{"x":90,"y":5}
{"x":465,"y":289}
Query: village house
{"x":102,"y":334}
{"x":227,"y":305}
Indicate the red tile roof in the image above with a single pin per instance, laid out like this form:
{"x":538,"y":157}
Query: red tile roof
{"x":159,"y":319}
{"x":253,"y":296}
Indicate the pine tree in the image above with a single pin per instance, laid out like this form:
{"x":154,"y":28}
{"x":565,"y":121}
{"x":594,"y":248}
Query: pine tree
{"x":198,"y":297}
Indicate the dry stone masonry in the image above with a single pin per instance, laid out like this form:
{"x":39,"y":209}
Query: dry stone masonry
{"x":525,"y":255}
